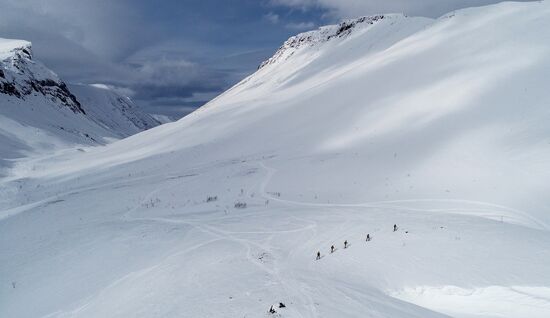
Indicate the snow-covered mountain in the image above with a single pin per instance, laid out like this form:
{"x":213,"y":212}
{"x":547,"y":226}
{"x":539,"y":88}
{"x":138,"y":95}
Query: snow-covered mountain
{"x":437,"y":126}
{"x":116,"y":112}
{"x":39,"y":112}
{"x":322,"y":35}
{"x":164,"y":119}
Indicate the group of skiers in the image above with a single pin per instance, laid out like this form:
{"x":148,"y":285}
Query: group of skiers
{"x":346,"y":244}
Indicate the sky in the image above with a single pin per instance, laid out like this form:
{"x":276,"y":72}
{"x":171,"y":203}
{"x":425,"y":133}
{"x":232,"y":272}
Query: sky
{"x":172,"y":56}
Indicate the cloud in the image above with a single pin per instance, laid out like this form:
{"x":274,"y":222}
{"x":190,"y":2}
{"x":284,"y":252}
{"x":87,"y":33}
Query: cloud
{"x":271,"y":17}
{"x":353,"y":8}
{"x":302,"y":4}
{"x":108,"y":42}
{"x":300,"y":26}
{"x":100,"y":27}
{"x":175,"y":53}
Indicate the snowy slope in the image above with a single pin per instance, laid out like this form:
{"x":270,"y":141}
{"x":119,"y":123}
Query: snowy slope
{"x":164,"y":119}
{"x":39,"y":112}
{"x":112,"y":110}
{"x":438,"y":126}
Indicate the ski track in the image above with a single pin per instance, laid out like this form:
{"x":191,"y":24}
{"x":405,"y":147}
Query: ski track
{"x":524,"y":220}
{"x":291,"y":286}
{"x":248,"y":245}
{"x":134,"y":274}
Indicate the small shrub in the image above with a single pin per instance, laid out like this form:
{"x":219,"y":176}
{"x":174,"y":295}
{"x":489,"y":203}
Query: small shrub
{"x":240,"y":205}
{"x":151,"y":203}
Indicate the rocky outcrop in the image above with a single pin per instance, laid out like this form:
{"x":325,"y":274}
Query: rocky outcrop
{"x":21,"y":76}
{"x":39,"y":112}
{"x":323,"y":34}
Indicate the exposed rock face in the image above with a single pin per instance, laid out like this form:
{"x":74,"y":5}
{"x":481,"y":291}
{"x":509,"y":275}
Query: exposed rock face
{"x":41,"y":113}
{"x":321,"y":35}
{"x":21,"y":76}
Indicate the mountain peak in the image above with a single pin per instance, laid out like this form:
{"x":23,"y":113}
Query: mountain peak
{"x":21,"y":76}
{"x":40,"y":112}
{"x":11,"y":47}
{"x":323,"y":34}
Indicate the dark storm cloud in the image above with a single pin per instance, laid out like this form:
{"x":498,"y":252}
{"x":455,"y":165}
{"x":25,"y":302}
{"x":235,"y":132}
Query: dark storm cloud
{"x":172,"y":56}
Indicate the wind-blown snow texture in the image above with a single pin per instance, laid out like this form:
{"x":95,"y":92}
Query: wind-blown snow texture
{"x":39,"y":112}
{"x":438,"y":126}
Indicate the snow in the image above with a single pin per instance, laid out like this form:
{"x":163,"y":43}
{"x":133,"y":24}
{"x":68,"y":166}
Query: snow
{"x":163,"y":119}
{"x":9,"y":46}
{"x":39,"y":113}
{"x":112,"y":110}
{"x":493,"y":301}
{"x":438,"y":126}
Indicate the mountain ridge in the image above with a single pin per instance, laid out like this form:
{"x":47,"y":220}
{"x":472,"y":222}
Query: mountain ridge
{"x":39,"y":112}
{"x":322,"y":34}
{"x":22,"y":76}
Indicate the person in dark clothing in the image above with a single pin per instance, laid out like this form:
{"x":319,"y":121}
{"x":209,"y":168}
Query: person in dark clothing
{"x":368,"y":237}
{"x":346,"y":244}
{"x":395,"y":227}
{"x":318,"y":255}
{"x":332,"y":249}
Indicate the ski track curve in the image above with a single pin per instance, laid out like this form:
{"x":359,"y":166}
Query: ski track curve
{"x":521,"y":217}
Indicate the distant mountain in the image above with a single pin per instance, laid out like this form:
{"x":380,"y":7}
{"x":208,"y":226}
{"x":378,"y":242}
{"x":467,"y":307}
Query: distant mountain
{"x":39,"y":112}
{"x":111,"y":110}
{"x":164,"y":119}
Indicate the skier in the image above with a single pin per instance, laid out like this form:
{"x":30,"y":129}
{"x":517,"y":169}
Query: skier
{"x":395,"y":227}
{"x":332,"y":249}
{"x":346,"y":244}
{"x":318,"y":255}
{"x":368,"y":237}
